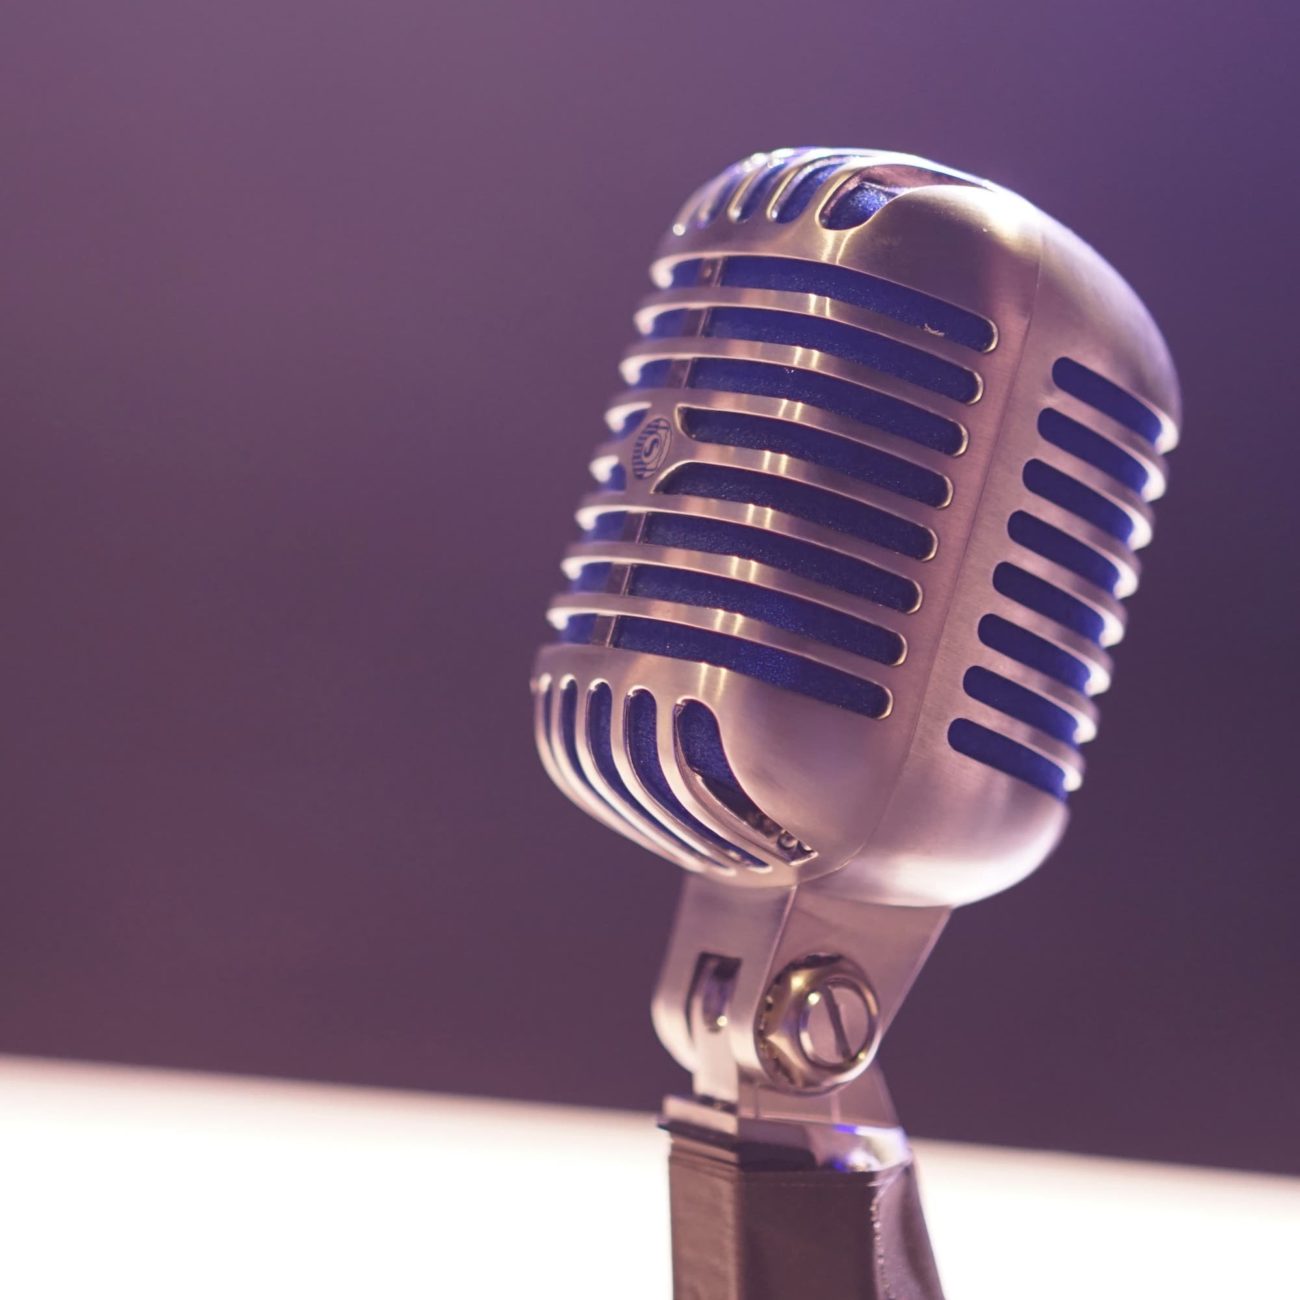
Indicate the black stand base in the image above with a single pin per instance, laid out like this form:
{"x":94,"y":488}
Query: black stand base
{"x":762,"y":1223}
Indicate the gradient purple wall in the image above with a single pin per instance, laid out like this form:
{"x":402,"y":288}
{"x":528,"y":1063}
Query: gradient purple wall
{"x":308,"y":313}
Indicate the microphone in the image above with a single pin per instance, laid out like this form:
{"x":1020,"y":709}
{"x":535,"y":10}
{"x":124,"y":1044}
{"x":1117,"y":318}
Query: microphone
{"x":845,"y":594}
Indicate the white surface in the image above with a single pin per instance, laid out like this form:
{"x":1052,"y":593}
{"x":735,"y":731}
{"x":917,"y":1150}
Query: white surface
{"x":147,"y":1184}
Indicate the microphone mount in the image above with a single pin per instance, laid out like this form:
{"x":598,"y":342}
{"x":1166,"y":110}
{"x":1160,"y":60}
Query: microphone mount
{"x":777,"y":1001}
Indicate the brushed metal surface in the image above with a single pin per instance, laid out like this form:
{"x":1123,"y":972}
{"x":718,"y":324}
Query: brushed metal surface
{"x":890,"y":825}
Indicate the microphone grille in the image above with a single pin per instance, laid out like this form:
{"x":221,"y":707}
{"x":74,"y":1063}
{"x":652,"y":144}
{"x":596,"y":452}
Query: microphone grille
{"x":833,"y":478}
{"x":1089,"y":482}
{"x":816,"y":448}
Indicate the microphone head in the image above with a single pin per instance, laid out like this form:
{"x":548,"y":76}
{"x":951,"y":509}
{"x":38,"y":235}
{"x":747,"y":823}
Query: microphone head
{"x":849,"y":581}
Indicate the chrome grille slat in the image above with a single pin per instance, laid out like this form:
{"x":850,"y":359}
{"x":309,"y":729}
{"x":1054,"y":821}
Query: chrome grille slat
{"x":587,"y":788}
{"x":752,"y":571}
{"x":761,"y":168}
{"x":802,"y":471}
{"x":737,"y":626}
{"x":1106,"y":606}
{"x":1121,"y":558}
{"x":777,"y":408}
{"x":1104,"y":485}
{"x":759,"y":266}
{"x":1075,"y":703}
{"x":1099,"y":663}
{"x":1102,"y":394}
{"x":702,"y":297}
{"x":575,"y":779}
{"x":1066,"y":757}
{"x":762,"y":517}
{"x":622,"y":747}
{"x":647,"y":826}
{"x":819,"y":364}
{"x":1132,"y":444}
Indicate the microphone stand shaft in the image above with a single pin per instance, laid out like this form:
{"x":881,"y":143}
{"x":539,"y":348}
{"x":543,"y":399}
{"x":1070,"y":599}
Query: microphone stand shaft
{"x":754,"y":1222}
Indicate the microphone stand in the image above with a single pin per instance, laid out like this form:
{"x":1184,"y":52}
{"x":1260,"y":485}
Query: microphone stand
{"x":755,"y":1222}
{"x":789,"y":1175}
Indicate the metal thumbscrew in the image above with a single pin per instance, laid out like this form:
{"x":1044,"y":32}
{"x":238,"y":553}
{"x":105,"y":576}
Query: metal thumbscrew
{"x":820,"y":1024}
{"x":835,"y":1024}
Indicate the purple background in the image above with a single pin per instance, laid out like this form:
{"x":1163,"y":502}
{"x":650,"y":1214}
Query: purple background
{"x":308,"y":313}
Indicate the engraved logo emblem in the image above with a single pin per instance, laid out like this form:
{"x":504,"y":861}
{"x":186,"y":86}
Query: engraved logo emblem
{"x":650,"y":449}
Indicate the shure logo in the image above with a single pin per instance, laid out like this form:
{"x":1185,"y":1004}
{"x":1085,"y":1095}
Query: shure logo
{"x":650,"y":449}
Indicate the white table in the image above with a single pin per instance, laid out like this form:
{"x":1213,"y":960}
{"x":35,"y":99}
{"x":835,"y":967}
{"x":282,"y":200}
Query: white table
{"x":137,"y":1183}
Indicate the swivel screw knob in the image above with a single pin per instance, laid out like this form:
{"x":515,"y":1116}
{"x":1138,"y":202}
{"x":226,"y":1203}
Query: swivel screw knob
{"x":820,"y":1024}
{"x":835,"y":1023}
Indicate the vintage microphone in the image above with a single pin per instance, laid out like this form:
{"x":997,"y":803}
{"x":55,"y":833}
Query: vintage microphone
{"x":844,"y":597}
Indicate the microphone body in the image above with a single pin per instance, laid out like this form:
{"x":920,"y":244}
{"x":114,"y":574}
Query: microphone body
{"x":843,"y":601}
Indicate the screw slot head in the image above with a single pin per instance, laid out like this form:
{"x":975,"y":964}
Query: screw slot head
{"x":820,"y":1024}
{"x":835,"y":1023}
